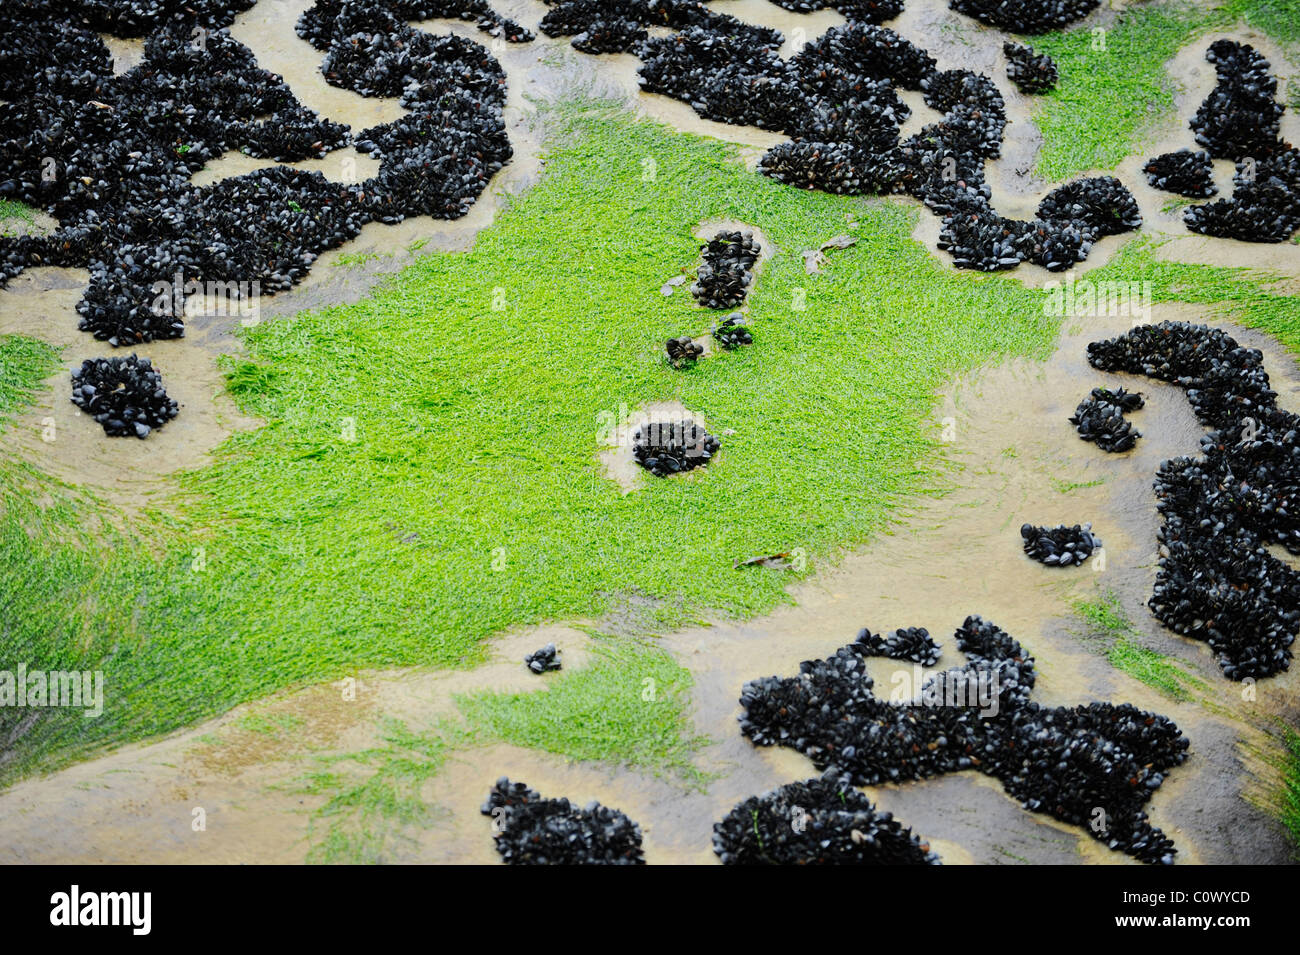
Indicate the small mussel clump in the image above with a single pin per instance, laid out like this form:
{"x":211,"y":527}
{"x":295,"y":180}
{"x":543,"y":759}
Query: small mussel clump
{"x":682,"y":351}
{"x":543,"y":660}
{"x":1031,"y":72}
{"x":906,"y":643}
{"x":732,"y":332}
{"x":1185,"y":172}
{"x":533,"y":830}
{"x":727,"y":271}
{"x":1100,"y":418}
{"x":819,"y":822}
{"x":670,"y":447}
{"x":125,"y":395}
{"x":1217,"y":580}
{"x":1060,"y":546}
{"x":1067,"y":762}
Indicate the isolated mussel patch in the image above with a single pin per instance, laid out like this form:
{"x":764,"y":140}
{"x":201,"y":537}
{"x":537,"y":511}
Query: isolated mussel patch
{"x":671,"y":447}
{"x":733,"y":332}
{"x":727,"y":271}
{"x":822,"y":821}
{"x":1060,"y":546}
{"x":1093,"y":766}
{"x":124,"y":394}
{"x":533,"y":830}
{"x":544,"y":659}
{"x":1100,"y":418}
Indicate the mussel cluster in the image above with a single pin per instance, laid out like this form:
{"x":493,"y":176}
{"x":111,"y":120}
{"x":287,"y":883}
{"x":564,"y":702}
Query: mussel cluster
{"x":1100,"y":418}
{"x":110,"y":156}
{"x":682,"y":351}
{"x":316,"y":24}
{"x":1060,"y":546}
{"x":1026,"y":16}
{"x":125,"y":395}
{"x":1217,"y":581}
{"x":1185,"y":172}
{"x":822,"y":821}
{"x":671,"y":447}
{"x":1030,"y":71}
{"x":543,"y":660}
{"x":727,"y":271}
{"x":533,"y":830}
{"x":620,"y":26}
{"x":906,"y":643}
{"x":732,"y":332}
{"x":837,"y":100}
{"x":1093,"y":766}
{"x":1240,"y":120}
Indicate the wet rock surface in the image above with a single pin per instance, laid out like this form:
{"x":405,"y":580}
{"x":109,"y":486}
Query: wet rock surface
{"x":1240,"y":120}
{"x":124,"y":394}
{"x":534,"y":830}
{"x":1217,"y":581}
{"x":818,"y":822}
{"x":1060,"y":546}
{"x":1093,"y":766}
{"x":1185,"y":172}
{"x":671,"y":447}
{"x":1100,"y":418}
{"x":727,"y":271}
{"x":1031,"y":72}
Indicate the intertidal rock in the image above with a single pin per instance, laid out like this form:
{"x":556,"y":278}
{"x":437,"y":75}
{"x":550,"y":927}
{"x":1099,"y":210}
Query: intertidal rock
{"x":1060,"y":546}
{"x":532,"y":830}
{"x":1217,"y":581}
{"x":1100,"y":418}
{"x":125,"y":395}
{"x":822,"y":821}
{"x":1094,"y":766}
